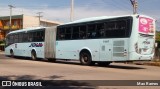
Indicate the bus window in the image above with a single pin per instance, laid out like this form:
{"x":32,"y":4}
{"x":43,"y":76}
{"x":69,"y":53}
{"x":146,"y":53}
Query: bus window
{"x":20,"y":37}
{"x":39,"y":36}
{"x":100,"y":30}
{"x":12,"y":39}
{"x":121,"y":28}
{"x":42,"y":35}
{"x":25,"y":37}
{"x":61,"y":33}
{"x":116,"y":29}
{"x":16,"y":38}
{"x":30,"y":36}
{"x":83,"y":32}
{"x":75,"y":34}
{"x":8,"y":40}
{"x":91,"y":31}
{"x":68,"y":33}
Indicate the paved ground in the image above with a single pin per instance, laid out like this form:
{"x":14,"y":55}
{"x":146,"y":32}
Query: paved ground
{"x":25,"y":69}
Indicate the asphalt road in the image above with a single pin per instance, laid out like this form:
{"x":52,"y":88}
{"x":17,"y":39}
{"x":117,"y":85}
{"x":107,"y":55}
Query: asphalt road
{"x":26,"y":69}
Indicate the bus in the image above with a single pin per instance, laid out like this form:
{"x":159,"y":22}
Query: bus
{"x":101,"y":40}
{"x":26,"y":43}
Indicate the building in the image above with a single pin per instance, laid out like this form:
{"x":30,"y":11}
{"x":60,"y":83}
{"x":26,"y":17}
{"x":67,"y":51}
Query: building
{"x":21,"y":22}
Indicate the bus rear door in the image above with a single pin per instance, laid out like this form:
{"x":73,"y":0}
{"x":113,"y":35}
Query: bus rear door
{"x":105,"y":50}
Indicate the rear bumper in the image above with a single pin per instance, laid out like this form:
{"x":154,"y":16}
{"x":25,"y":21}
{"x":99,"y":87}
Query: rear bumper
{"x":145,"y":57}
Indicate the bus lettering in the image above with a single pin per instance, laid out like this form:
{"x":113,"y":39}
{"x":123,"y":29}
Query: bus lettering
{"x":146,"y":42}
{"x":106,"y":41}
{"x":36,"y":45}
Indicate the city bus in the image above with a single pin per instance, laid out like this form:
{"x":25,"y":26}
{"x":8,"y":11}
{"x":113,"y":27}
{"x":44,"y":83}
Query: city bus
{"x":101,"y":40}
{"x":26,"y":43}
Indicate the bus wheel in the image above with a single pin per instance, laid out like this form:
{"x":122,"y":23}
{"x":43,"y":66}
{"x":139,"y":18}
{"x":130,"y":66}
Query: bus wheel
{"x":51,"y":59}
{"x":85,"y":58}
{"x":33,"y":55}
{"x":11,"y":53}
{"x":103,"y":63}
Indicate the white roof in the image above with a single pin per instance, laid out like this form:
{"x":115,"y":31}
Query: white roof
{"x":26,"y":29}
{"x":100,"y":18}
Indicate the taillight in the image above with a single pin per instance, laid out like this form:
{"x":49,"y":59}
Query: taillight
{"x":136,"y":47}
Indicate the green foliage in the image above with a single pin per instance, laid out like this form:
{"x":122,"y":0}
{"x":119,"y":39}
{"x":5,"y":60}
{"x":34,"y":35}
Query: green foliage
{"x":157,"y":36}
{"x":2,"y":42}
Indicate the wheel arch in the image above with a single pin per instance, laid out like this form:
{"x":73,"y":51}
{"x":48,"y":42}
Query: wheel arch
{"x":85,"y":50}
{"x":33,"y":50}
{"x":33,"y":53}
{"x":11,"y":50}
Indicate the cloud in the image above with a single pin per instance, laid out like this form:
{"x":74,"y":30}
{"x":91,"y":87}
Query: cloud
{"x":63,"y":14}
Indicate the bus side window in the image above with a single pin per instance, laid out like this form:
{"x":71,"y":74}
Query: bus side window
{"x":12,"y":39}
{"x":30,"y":36}
{"x":39,"y":36}
{"x":42,"y":35}
{"x":16,"y":38}
{"x":61,"y":33}
{"x":110,"y":29}
{"x":100,"y":30}
{"x":121,"y":28}
{"x":25,"y":37}
{"x":7,"y":40}
{"x":20,"y":37}
{"x":34,"y":36}
{"x":91,"y":31}
{"x":83,"y":32}
{"x":68,"y":33}
{"x":75,"y":34}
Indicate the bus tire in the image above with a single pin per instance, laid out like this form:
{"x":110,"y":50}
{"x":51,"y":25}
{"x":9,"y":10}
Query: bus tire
{"x":12,"y":53}
{"x":85,"y":58}
{"x":51,"y":59}
{"x":33,"y":55}
{"x":104,"y":63}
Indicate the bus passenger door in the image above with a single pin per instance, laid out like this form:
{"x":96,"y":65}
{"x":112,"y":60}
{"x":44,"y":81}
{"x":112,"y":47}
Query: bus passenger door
{"x":105,"y":51}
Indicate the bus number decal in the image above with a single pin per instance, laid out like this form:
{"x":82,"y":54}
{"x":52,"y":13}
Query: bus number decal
{"x":105,"y":41}
{"x":36,"y":45}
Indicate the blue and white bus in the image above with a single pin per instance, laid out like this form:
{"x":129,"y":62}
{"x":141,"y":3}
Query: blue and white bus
{"x":27,"y":42}
{"x":92,"y":40}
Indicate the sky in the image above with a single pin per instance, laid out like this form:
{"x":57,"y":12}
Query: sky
{"x":59,"y":10}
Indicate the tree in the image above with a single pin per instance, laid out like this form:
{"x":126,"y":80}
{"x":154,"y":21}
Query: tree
{"x":158,"y":36}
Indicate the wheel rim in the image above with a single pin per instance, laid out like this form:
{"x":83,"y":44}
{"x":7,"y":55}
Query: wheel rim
{"x":33,"y":55}
{"x":12,"y":54}
{"x":85,"y":59}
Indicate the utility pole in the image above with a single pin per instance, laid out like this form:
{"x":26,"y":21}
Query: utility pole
{"x":135,"y":6}
{"x":72,"y":10}
{"x":39,"y":16}
{"x":10,"y":22}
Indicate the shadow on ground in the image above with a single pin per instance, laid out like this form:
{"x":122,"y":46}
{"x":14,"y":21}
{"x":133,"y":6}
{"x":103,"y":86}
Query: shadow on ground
{"x":109,"y":66}
{"x":70,"y":62}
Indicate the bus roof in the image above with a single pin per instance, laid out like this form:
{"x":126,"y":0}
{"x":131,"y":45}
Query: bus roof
{"x":100,"y":18}
{"x":26,"y":29}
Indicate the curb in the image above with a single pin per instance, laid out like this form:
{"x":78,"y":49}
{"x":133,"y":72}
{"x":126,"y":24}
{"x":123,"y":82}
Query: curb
{"x":148,"y":63}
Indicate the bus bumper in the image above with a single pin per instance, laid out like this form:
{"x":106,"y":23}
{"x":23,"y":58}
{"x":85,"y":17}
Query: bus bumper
{"x":145,"y":58}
